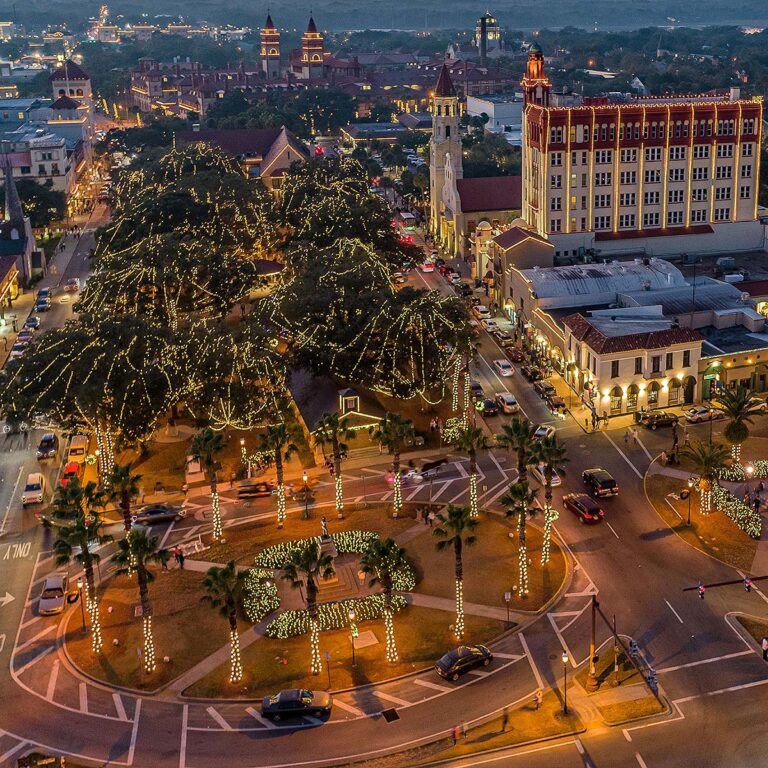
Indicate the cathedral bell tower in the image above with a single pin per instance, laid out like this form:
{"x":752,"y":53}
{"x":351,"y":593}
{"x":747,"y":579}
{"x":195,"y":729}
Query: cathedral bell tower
{"x":312,"y":52}
{"x":270,"y":50}
{"x":536,"y":85}
{"x":444,"y":146}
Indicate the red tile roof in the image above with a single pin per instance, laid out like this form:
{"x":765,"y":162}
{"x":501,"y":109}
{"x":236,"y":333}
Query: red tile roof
{"x":69,"y":71}
{"x":516,"y":235}
{"x":64,"y":102}
{"x":753,"y":287}
{"x":444,"y":85}
{"x":584,"y":331}
{"x":490,"y":193}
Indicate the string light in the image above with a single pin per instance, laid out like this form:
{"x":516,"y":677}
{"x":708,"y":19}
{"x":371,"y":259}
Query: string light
{"x":280,"y":503}
{"x":217,"y":529}
{"x":236,"y":671}
{"x":397,"y":500}
{"x":522,"y":555}
{"x":389,"y":633}
{"x":455,"y":386}
{"x":473,"y":511}
{"x":314,"y":645}
{"x":339,"y":496}
{"x":550,"y":517}
{"x":459,"y":626}
{"x":259,"y":594}
{"x":92,"y":605}
{"x":149,"y":646}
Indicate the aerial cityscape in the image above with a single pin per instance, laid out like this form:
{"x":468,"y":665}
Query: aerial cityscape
{"x":384,"y":386}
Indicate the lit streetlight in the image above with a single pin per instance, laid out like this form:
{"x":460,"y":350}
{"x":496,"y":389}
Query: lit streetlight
{"x":80,"y":593}
{"x":565,"y":682}
{"x":306,"y":496}
{"x":750,"y":470}
{"x":353,"y":633}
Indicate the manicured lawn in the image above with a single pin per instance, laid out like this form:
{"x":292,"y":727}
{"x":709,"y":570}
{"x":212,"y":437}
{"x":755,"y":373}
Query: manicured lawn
{"x":604,"y":670}
{"x":184,"y":629}
{"x":631,"y":710}
{"x":420,"y":414}
{"x":714,"y":534}
{"x":490,"y":566}
{"x":757,"y":628}
{"x":164,"y":463}
{"x":422,"y":636}
{"x":244,"y":542}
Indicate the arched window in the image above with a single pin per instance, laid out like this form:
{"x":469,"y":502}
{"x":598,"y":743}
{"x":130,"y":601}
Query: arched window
{"x":79,"y":91}
{"x":632,"y":393}
{"x":653,"y":393}
{"x":616,"y":398}
{"x":675,"y":390}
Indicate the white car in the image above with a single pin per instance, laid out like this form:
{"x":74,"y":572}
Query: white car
{"x":481,"y":311}
{"x":34,"y":489}
{"x":53,"y":596}
{"x":504,"y":339}
{"x":542,"y":432}
{"x":427,"y":266}
{"x":489,"y":324}
{"x":504,"y":367}
{"x":537,"y":472}
{"x":702,"y":413}
{"x":507,"y":402}
{"x":398,"y":278}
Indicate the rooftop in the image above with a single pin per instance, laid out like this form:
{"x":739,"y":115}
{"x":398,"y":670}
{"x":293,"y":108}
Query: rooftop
{"x":513,"y":236}
{"x":709,"y":294}
{"x":730,"y":341}
{"x":490,"y":193}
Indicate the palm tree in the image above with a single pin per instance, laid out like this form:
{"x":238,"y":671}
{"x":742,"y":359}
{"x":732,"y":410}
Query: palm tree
{"x":708,"y":459}
{"x":381,"y":560}
{"x":277,"y":443}
{"x":740,"y":405}
{"x":394,"y":432}
{"x":519,"y":500}
{"x":304,"y":567}
{"x":470,"y":440}
{"x":552,"y":455}
{"x":74,"y":542}
{"x":224,"y":588}
{"x":455,"y":529}
{"x":135,"y":553}
{"x":206,"y":444}
{"x":517,"y":436}
{"x":76,"y":499}
{"x":331,"y":431}
{"x":124,"y":488}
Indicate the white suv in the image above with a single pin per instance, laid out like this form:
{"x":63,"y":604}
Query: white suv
{"x":34,"y":490}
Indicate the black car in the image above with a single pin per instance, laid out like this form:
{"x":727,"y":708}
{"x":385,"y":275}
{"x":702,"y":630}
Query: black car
{"x":158,"y":513}
{"x":600,"y":482}
{"x":460,"y":660}
{"x":477,"y":390}
{"x":657,"y":419}
{"x":296,"y":702}
{"x":545,"y":388}
{"x":49,"y":446}
{"x":531,"y":372}
{"x":487,"y":407}
{"x":254,"y":490}
{"x":462,"y":289}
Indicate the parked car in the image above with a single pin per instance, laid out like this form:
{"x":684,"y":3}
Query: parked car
{"x":48,"y":446}
{"x":759,"y":403}
{"x":507,"y":402}
{"x":489,"y":324}
{"x":78,"y":448}
{"x":73,"y":284}
{"x":43,"y":293}
{"x":477,"y":390}
{"x":537,"y":472}
{"x":481,"y":311}
{"x":699,"y":413}
{"x":503,"y":338}
{"x":584,"y":507}
{"x":545,"y":388}
{"x":158,"y":513}
{"x":34,"y":490}
{"x":543,"y":431}
{"x":656,"y":419}
{"x":72,"y":470}
{"x":600,"y":482}
{"x":296,"y":702}
{"x":32,"y":322}
{"x":25,"y":336}
{"x":516,"y":355}
{"x":53,"y":596}
{"x":460,"y":660}
{"x":43,"y":306}
{"x":555,"y":403}
{"x":462,"y":289}
{"x":18,"y":350}
{"x":531,"y":372}
{"x":487,"y":407}
{"x":442,"y":267}
{"x":398,"y":278}
{"x":251,"y":489}
{"x":503,"y":367}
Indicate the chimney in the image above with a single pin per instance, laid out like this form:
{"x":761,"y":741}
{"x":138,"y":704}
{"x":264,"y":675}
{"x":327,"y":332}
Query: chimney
{"x":735,"y":93}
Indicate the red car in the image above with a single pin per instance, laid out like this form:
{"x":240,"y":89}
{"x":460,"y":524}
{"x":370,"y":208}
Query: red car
{"x":515,"y":355}
{"x":584,"y":507}
{"x":72,"y":470}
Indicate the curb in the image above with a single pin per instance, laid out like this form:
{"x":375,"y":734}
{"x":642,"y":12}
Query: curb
{"x":664,"y":713}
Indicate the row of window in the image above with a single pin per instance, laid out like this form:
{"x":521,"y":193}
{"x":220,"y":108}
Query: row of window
{"x":652,"y":154}
{"x":650,"y":219}
{"x":669,"y":358}
{"x":651,"y":176}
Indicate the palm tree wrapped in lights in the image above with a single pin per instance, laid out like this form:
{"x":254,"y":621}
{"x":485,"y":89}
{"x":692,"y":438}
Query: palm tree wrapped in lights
{"x":708,"y":458}
{"x":85,"y":503}
{"x":135,"y":553}
{"x":740,"y":406}
{"x":455,"y":530}
{"x":470,"y":440}
{"x":332,"y":432}
{"x":224,"y":590}
{"x":124,"y":488}
{"x":519,"y":501}
{"x":394,"y":432}
{"x":206,"y":445}
{"x":381,"y":560}
{"x":552,"y":455}
{"x":276,"y":443}
{"x":304,"y":567}
{"x":517,"y":436}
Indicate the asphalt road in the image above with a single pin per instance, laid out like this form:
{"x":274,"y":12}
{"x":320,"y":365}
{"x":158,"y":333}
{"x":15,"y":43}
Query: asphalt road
{"x":714,"y":680}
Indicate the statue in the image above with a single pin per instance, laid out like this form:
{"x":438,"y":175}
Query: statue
{"x":324,"y":524}
{"x":327,"y":545}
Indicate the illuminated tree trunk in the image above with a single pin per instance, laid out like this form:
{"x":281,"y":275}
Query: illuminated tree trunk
{"x":456,"y":387}
{"x":146,"y":616}
{"x":316,"y":663}
{"x":522,"y":553}
{"x":550,"y":515}
{"x":459,"y":626}
{"x":472,"y":484}
{"x":339,"y":496}
{"x":705,"y":496}
{"x":736,"y":452}
{"x":125,"y":508}
{"x":397,"y":499}
{"x":216,"y":510}
{"x":91,"y":602}
{"x":235,"y":663}
{"x":389,"y":627}
{"x":280,"y":489}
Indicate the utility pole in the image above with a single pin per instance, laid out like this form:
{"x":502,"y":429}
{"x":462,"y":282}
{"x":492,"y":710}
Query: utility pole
{"x":592,"y":684}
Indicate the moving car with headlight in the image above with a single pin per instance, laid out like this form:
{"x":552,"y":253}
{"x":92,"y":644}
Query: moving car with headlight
{"x":34,"y":490}
{"x":701,"y":413}
{"x":503,"y":367}
{"x":600,"y":482}
{"x":584,"y":507}
{"x":48,"y":447}
{"x":296,"y":702}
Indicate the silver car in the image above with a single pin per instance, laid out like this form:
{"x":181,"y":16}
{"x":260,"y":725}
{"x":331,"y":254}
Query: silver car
{"x":159,"y":513}
{"x":53,"y":598}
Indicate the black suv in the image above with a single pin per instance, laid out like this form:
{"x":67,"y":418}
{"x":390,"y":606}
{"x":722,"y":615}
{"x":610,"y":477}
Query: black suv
{"x":600,"y":482}
{"x":295,"y":703}
{"x":49,"y":446}
{"x":657,"y":419}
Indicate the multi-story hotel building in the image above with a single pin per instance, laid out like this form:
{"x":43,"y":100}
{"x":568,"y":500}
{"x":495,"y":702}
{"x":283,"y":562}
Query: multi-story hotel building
{"x":658,"y":175}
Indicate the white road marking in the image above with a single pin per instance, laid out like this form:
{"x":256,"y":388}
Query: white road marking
{"x":167,"y":534}
{"x":754,"y":586}
{"x":579,"y":746}
{"x":430,"y":684}
{"x":12,"y":751}
{"x":623,"y":455}
{"x":312,"y":720}
{"x":478,"y":672}
{"x":119,"y":706}
{"x":512,"y":656}
{"x":10,"y":501}
{"x":134,"y":732}
{"x":393,"y":699}
{"x":442,"y":488}
{"x":413,"y":493}
{"x":706,"y":661}
{"x":33,"y":640}
{"x":266,"y":722}
{"x":612,"y":531}
{"x":83,"y":697}
{"x":31,"y":621}
{"x":677,"y":615}
{"x":640,"y":760}
{"x":721,"y":690}
{"x":52,"y":681}
{"x":218,"y":718}
{"x":183,"y":745}
{"x":460,"y":469}
{"x":31,"y":663}
{"x":458,"y":496}
{"x":534,"y":668}
{"x":347,"y":708}
{"x":627,"y":735}
{"x":672,"y":507}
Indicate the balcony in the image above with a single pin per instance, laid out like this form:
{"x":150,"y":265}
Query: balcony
{"x":653,"y":375}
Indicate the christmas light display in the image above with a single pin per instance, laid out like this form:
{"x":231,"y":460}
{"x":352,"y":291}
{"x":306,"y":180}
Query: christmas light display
{"x":314,"y":644}
{"x":236,"y":665}
{"x":92,"y":606}
{"x":455,"y":386}
{"x":743,"y":515}
{"x":149,"y":645}
{"x":259,"y":594}
{"x":389,"y":635}
{"x":550,"y":517}
{"x":216,"y":512}
{"x":459,"y":625}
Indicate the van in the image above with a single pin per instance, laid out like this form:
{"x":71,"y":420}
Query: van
{"x":78,"y":449}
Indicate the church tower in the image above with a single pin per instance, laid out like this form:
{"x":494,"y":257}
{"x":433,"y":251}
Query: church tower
{"x":312,"y":53}
{"x":536,"y":85}
{"x":270,"y":50}
{"x":444,"y":146}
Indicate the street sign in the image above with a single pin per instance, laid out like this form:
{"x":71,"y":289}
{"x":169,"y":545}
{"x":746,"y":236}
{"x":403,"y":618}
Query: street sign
{"x":327,"y":656}
{"x":507,"y":596}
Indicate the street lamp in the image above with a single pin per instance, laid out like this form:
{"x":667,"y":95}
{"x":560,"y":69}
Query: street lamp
{"x":691,"y":483}
{"x":352,"y":633}
{"x":565,"y":682}
{"x":80,"y":593}
{"x":750,"y":470}
{"x":306,"y":495}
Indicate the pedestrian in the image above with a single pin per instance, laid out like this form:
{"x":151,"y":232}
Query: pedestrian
{"x":626,"y":438}
{"x":181,"y":560}
{"x":176,"y":553}
{"x":433,"y":424}
{"x":5,"y":342}
{"x":586,"y":423}
{"x":764,"y":645}
{"x":757,"y":503}
{"x":664,"y":458}
{"x":674,"y":440}
{"x":504,"y":719}
{"x":537,"y":699}
{"x":455,"y":734}
{"x":431,"y":517}
{"x":164,"y":556}
{"x":425,"y":515}
{"x":463,"y":730}
{"x":745,"y":498}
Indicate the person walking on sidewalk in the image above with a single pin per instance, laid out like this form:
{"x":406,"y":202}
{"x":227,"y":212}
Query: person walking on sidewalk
{"x":626,"y":438}
{"x":764,"y":646}
{"x":455,"y":731}
{"x":537,"y":699}
{"x":504,"y":719}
